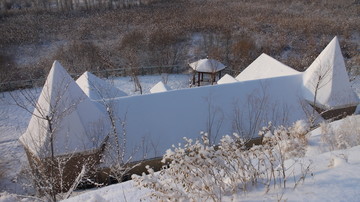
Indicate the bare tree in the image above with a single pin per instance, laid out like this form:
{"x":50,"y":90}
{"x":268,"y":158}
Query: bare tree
{"x":248,"y":122}
{"x":115,"y":156}
{"x":165,"y":48}
{"x":165,"y":78}
{"x":215,"y":119}
{"x":131,"y":46}
{"x":122,"y":162}
{"x":320,"y":78}
{"x":243,"y":51}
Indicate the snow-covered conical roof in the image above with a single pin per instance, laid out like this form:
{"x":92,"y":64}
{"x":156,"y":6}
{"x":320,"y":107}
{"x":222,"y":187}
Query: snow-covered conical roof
{"x":265,"y":67}
{"x":328,"y":75}
{"x":207,"y":65}
{"x":96,"y":88}
{"x":159,"y":87}
{"x":226,"y":79}
{"x":77,"y":124}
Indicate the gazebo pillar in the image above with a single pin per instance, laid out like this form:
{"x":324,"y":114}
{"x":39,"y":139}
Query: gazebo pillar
{"x":199,"y":78}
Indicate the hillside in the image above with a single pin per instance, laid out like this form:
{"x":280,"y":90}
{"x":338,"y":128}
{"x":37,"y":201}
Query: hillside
{"x":175,"y":33}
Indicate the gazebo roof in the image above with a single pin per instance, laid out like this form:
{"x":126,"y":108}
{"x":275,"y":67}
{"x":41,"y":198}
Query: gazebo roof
{"x":207,"y":66}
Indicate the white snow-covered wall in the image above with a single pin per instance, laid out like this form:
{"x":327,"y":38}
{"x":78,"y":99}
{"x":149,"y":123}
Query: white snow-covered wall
{"x":163,"y":119}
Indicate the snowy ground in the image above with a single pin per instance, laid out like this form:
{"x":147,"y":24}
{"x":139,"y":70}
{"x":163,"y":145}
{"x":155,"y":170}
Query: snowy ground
{"x":174,"y":81}
{"x":333,"y":179}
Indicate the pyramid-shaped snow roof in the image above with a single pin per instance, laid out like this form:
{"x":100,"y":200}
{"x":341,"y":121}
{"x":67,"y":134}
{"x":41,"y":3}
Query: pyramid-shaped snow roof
{"x":207,"y":65}
{"x":159,"y":87}
{"x":76,"y":123}
{"x":265,"y":67}
{"x":96,"y":88}
{"x":226,"y":79}
{"x":328,"y":75}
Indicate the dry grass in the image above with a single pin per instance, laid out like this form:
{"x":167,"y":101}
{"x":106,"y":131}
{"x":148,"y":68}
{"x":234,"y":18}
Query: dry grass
{"x":2,"y":170}
{"x":239,"y":30}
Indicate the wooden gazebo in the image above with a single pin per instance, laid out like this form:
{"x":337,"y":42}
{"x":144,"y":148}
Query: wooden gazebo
{"x":206,"y":66}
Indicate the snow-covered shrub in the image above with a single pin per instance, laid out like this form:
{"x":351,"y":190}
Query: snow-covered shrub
{"x":291,"y":141}
{"x":342,"y":136}
{"x":200,"y":171}
{"x":280,"y":144}
{"x":191,"y":174}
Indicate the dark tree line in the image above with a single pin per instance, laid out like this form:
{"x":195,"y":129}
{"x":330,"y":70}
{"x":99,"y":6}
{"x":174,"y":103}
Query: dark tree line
{"x":68,"y":5}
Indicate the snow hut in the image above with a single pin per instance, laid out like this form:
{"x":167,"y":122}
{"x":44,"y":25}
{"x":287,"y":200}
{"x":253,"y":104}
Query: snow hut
{"x":326,"y":83}
{"x":65,"y":132}
{"x":208,"y":67}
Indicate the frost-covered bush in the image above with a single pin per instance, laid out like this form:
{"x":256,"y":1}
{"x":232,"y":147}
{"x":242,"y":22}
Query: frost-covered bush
{"x":291,"y":141}
{"x":200,"y":171}
{"x":342,"y":136}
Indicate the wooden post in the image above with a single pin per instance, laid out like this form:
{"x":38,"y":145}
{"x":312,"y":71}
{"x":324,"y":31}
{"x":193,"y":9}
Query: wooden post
{"x":198,"y":78}
{"x":213,"y":75}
